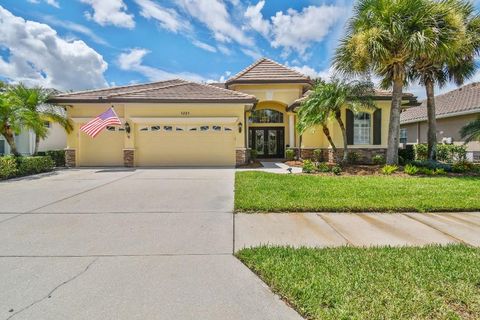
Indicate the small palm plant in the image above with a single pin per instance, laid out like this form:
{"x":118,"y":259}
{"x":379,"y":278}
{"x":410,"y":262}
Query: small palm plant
{"x":11,"y":119}
{"x":327,"y":101}
{"x":471,"y":131}
{"x":39,"y":110}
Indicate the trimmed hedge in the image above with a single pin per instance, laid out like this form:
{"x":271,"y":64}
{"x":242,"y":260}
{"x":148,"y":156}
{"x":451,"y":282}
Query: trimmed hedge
{"x":22,"y":166}
{"x":58,"y":156}
{"x":445,"y":152}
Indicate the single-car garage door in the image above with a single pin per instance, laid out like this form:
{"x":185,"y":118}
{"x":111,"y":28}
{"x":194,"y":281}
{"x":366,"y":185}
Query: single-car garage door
{"x":106,"y":149}
{"x":184,"y":145}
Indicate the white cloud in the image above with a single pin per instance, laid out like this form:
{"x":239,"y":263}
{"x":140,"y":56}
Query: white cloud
{"x":37,"y":55}
{"x":166,"y":17}
{"x":110,"y":12}
{"x":293,"y":30}
{"x":132,"y":60}
{"x":53,"y":3}
{"x":223,"y":49}
{"x":203,"y":45}
{"x":214,"y":15}
{"x":252,"y":53}
{"x":312,"y":73}
{"x":255,"y":19}
{"x":75,"y":27}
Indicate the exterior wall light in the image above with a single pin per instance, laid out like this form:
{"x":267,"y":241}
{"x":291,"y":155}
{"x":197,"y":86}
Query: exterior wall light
{"x":127,"y":128}
{"x":240,"y":126}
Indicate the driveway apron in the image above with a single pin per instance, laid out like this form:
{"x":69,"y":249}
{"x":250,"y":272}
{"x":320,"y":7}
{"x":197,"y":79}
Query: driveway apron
{"x":126,"y":244}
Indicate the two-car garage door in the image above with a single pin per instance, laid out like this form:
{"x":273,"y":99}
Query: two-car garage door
{"x":207,"y":144}
{"x":184,"y":145}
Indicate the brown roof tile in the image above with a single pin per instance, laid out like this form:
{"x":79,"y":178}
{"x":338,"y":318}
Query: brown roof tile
{"x":174,"y":91}
{"x":462,"y":100}
{"x":268,"y":71}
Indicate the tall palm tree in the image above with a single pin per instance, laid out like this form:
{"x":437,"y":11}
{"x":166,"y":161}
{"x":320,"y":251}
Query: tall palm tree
{"x":328,"y":99}
{"x":36,"y":101}
{"x":452,"y":59}
{"x":11,"y":119}
{"x":471,"y":131}
{"x":383,"y":37}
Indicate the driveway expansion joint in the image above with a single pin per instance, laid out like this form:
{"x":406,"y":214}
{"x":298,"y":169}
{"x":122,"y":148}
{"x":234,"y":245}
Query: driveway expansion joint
{"x":335,"y":229}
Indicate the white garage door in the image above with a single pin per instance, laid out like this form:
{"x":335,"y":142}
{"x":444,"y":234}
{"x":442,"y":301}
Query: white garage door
{"x":185,"y":145}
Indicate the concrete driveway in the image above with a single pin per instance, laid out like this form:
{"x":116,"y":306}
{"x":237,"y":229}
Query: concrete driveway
{"x":126,"y":244}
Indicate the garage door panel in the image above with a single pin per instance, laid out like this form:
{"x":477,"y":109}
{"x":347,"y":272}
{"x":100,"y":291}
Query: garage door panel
{"x":185,"y":148}
{"x":106,"y":149}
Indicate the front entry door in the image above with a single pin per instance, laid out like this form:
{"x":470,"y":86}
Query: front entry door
{"x":269,"y":142}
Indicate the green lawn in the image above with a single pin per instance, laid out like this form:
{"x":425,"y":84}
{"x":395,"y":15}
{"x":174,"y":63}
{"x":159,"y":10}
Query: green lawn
{"x":376,"y":283}
{"x":268,"y":192}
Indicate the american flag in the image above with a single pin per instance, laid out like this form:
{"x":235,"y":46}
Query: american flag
{"x":95,"y":126}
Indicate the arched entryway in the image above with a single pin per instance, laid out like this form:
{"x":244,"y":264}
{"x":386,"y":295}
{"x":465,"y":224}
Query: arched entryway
{"x":266,"y":134}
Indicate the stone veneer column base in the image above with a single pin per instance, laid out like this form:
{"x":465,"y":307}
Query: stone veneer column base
{"x":70,"y":158}
{"x":242,"y":155}
{"x":128,"y":157}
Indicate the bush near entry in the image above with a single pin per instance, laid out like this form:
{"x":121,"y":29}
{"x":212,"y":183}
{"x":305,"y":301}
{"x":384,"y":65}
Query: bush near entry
{"x":22,"y":166}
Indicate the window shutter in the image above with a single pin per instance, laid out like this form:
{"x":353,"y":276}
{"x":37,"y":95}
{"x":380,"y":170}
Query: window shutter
{"x":377,"y":127}
{"x":349,"y":126}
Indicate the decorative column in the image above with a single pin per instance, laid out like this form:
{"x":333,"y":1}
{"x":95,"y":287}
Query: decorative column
{"x":291,"y":130}
{"x":70,"y":158}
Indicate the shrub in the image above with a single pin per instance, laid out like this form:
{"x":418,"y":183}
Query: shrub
{"x":421,"y":152}
{"x":432,"y":165}
{"x":353,"y":157}
{"x":308,"y":166}
{"x":440,"y":172}
{"x":426,"y":171}
{"x":32,"y":165}
{"x":323,"y":167}
{"x":290,"y":154}
{"x":58,"y":157}
{"x":408,"y":154}
{"x":451,"y":152}
{"x":317,"y":155}
{"x":378,"y":159}
{"x":253,"y":154}
{"x":337,"y":170}
{"x":410,"y":169}
{"x":8,"y":167}
{"x":389,"y":169}
{"x":462,"y":166}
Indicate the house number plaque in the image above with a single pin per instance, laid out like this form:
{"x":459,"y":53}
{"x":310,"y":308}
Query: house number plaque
{"x":185,"y":113}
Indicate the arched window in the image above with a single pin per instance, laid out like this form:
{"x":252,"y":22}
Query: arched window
{"x":266,"y":116}
{"x":361,"y":128}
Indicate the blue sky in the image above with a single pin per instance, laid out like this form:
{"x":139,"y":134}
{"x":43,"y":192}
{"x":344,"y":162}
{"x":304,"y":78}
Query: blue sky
{"x":84,"y":44}
{"x":116,"y":42}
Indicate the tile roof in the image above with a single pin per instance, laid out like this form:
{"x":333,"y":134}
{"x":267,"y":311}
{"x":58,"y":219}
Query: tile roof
{"x":465,"y":99}
{"x":268,"y":71}
{"x":174,"y":91}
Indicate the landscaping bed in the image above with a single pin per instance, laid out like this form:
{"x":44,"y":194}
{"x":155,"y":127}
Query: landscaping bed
{"x":373,"y":283}
{"x":11,"y":167}
{"x":269,"y":192}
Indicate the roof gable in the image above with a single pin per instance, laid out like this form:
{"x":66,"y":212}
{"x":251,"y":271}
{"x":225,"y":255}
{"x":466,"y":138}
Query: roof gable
{"x":465,"y":99}
{"x":175,"y":91}
{"x":268,"y":71}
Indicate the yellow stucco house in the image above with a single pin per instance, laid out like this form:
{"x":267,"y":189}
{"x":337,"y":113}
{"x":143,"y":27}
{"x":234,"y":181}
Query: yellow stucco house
{"x":182,"y":123}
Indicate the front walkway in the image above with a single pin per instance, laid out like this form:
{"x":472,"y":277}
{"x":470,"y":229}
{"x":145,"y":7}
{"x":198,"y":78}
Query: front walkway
{"x":126,"y":244}
{"x":356,"y":229}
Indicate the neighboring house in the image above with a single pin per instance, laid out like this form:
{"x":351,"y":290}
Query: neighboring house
{"x":454,"y":110}
{"x":56,"y":140}
{"x":182,"y":123}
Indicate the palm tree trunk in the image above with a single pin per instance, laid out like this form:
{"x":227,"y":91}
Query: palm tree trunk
{"x":37,"y":142}
{"x":338,"y":116}
{"x":394,"y":125}
{"x":432,"y":121}
{"x":326,"y":131}
{"x":11,"y":142}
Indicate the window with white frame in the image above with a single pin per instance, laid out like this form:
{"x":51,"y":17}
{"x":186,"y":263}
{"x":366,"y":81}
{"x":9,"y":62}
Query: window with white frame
{"x":361,"y":128}
{"x":403,"y":135}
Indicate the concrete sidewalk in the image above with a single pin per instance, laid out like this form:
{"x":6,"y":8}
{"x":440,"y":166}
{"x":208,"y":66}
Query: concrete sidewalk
{"x":356,"y":229}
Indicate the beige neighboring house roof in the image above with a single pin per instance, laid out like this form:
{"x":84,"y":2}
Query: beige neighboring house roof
{"x":380,"y":94}
{"x":464,"y":100}
{"x":268,"y":71}
{"x":170,"y":91}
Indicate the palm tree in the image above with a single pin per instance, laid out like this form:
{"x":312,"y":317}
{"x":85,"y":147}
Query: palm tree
{"x":471,"y":131}
{"x":328,"y":99}
{"x":36,"y":100}
{"x":452,"y":59}
{"x":11,"y":119}
{"x":383,"y":37}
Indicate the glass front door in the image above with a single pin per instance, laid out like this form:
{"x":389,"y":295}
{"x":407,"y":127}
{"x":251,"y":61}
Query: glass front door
{"x":268,"y":142}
